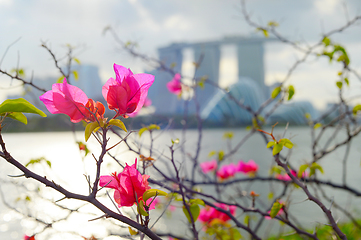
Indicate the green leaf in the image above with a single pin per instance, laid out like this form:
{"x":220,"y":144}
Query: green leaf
{"x":314,"y":167}
{"x":277,"y":148}
{"x":19,"y":105}
{"x":197,"y":201}
{"x":291,"y":92}
{"x":308,"y":116}
{"x":60,"y":79}
{"x":270,"y":196}
{"x":276,"y":207}
{"x":211,"y":153}
{"x":76,"y":76}
{"x":153,"y":192}
{"x":317,"y":125}
{"x":272,"y":24}
{"x":90,"y":127}
{"x":77,"y":60}
{"x":118,"y":123}
{"x":228,"y":135}
{"x":194,"y":209}
{"x":18,"y":116}
{"x":270,"y":144}
{"x":141,"y":209}
{"x":276,"y":92}
{"x":356,"y":109}
{"x":286,"y":142}
{"x":38,"y":160}
{"x":301,"y":170}
{"x":326,"y":41}
{"x":339,"y":84}
{"x":220,"y":155}
{"x":151,"y":127}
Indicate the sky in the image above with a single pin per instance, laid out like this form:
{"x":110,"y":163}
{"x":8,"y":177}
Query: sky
{"x":25,"y":25}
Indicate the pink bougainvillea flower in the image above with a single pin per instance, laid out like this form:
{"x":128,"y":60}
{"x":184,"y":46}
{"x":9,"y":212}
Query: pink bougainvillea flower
{"x":67,"y":99}
{"x":207,"y":214}
{"x":249,"y":167}
{"x":227,"y":171}
{"x":147,"y":102}
{"x":129,"y":186}
{"x":126,"y":93}
{"x":285,"y":176}
{"x":209,"y":166}
{"x":175,"y":85}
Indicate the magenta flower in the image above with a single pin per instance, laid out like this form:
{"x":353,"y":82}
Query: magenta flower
{"x":227,"y":171}
{"x":249,"y":167}
{"x":175,"y":85}
{"x":208,"y":166}
{"x":207,"y":214}
{"x":129,"y":186}
{"x":67,"y":99}
{"x":285,"y":176}
{"x":127,"y":93}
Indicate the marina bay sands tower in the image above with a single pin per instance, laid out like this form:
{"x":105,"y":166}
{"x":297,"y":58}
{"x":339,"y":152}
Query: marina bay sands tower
{"x":250,"y":63}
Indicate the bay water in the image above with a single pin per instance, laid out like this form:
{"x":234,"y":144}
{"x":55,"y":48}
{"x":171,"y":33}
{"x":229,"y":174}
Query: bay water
{"x":68,"y":167}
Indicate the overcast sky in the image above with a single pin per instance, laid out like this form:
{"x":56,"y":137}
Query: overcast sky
{"x":157,"y":23}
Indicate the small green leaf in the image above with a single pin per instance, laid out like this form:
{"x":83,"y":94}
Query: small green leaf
{"x":308,"y":116}
{"x":211,"y":153}
{"x":195,"y":210}
{"x":346,"y":81}
{"x":60,"y":79}
{"x":153,"y":192}
{"x":141,"y":209}
{"x":270,"y":196}
{"x":317,"y":125}
{"x":151,"y":127}
{"x":277,"y":148}
{"x":314,"y":167}
{"x":291,"y":92}
{"x":197,"y":201}
{"x":19,"y":105}
{"x":228,"y":135}
{"x":18,"y":116}
{"x":286,"y":142}
{"x":270,"y":144}
{"x":272,"y":24}
{"x":49,"y":163}
{"x":76,"y":76}
{"x":90,"y":127}
{"x":276,"y":92}
{"x":132,"y":232}
{"x":326,"y":41}
{"x":276,"y":207}
{"x":301,"y":170}
{"x":118,"y":123}
{"x":220,"y":155}
{"x":356,"y":109}
{"x":77,"y":60}
{"x":339,"y":84}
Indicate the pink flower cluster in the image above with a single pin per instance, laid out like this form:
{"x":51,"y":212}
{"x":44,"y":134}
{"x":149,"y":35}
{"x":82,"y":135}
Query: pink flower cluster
{"x":126,"y":94}
{"x":129,"y":186}
{"x":227,"y":171}
{"x":175,"y":85}
{"x":285,"y":176}
{"x":207,"y":214}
